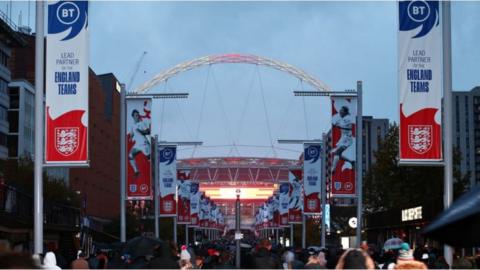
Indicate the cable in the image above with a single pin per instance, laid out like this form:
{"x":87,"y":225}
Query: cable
{"x":184,"y":120}
{"x":219,"y":96}
{"x":305,"y":112}
{"x":162,"y":114}
{"x":265,"y":111}
{"x":205,"y":88}
{"x":244,"y":111}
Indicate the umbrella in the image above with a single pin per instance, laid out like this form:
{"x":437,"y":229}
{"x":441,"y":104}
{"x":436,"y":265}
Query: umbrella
{"x":459,"y":225}
{"x":393,"y":243}
{"x":141,"y":246}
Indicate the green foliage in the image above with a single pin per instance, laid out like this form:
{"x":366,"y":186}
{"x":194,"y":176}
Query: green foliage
{"x":390,"y":186}
{"x":461,"y":182}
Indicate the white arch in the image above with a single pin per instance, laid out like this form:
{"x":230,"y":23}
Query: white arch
{"x":232,"y":59}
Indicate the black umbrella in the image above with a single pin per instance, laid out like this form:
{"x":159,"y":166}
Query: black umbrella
{"x":141,"y":246}
{"x":459,"y":225}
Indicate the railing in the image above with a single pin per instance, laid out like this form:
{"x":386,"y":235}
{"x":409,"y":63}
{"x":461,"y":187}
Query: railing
{"x":4,"y":17}
{"x":19,"y":206}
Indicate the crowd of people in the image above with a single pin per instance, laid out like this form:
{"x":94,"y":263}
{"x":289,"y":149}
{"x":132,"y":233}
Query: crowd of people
{"x":260,"y":254}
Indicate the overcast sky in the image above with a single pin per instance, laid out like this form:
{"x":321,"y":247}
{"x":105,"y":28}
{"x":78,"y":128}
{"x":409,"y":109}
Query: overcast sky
{"x":335,"y":42}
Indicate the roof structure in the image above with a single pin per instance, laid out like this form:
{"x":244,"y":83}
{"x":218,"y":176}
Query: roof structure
{"x":231,"y":170}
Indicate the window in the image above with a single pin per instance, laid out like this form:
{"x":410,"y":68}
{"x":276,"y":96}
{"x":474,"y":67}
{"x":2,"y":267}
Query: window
{"x":13,"y":121}
{"x":3,"y":58}
{"x":3,"y":86}
{"x":14,"y":97}
{"x":12,"y":145}
{"x":3,"y":139}
{"x":3,"y":113}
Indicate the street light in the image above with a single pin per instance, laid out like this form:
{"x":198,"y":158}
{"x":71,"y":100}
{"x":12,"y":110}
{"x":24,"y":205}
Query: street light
{"x":123,"y":153}
{"x":237,"y":227}
{"x":157,"y":145}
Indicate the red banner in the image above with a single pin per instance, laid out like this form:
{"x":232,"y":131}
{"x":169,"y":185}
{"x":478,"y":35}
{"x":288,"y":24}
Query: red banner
{"x":194,"y":204}
{"x":139,"y":177}
{"x":284,"y":200}
{"x":66,"y":84}
{"x":312,"y":176}
{"x":184,"y":184}
{"x":343,"y":153}
{"x":295,"y":207}
{"x":168,"y":180}
{"x":420,"y":81}
{"x":204,"y":215}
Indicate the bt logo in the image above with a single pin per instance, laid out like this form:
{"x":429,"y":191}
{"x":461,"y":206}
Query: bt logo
{"x":418,"y":11}
{"x":418,"y":14}
{"x":68,"y":13}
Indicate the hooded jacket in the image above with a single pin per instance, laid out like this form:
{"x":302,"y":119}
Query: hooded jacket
{"x":50,"y":262}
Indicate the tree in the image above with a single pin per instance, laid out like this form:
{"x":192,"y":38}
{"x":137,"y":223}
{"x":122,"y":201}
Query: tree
{"x":390,"y":186}
{"x":19,"y":174}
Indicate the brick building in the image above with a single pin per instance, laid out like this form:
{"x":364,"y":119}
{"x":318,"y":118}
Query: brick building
{"x":100,"y":184}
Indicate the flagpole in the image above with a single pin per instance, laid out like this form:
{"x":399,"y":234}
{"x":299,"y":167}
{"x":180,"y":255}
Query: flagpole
{"x":39,"y":128}
{"x":359,"y":135}
{"x":447,"y":114}
{"x":323,"y":191}
{"x":157,"y":186}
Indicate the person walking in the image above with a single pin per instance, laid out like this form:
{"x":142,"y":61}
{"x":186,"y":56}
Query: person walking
{"x":80,"y":262}
{"x":316,"y":260}
{"x":50,"y":262}
{"x":262,"y":258}
{"x":355,"y":259}
{"x":163,"y":258}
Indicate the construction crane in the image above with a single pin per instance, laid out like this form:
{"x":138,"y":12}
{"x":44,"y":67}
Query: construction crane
{"x":135,"y":71}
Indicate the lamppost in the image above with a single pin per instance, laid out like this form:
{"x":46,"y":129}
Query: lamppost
{"x":238,"y":235}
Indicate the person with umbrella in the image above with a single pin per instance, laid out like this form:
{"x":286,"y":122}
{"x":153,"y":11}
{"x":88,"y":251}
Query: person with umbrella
{"x":163,"y":258}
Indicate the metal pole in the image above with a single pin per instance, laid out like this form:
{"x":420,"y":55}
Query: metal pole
{"x":186,"y":234}
{"x":447,"y":114}
{"x":277,"y":239}
{"x":123,"y":162}
{"x":291,"y":235}
{"x":304,"y":231}
{"x":323,"y":186}
{"x":359,"y":162}
{"x":157,"y":186}
{"x":237,"y":230}
{"x":39,"y":128}
{"x":175,"y":229}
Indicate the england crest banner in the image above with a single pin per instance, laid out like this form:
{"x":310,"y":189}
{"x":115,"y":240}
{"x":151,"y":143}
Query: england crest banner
{"x":284,"y":201}
{"x":204,"y":211}
{"x":420,"y":81}
{"x":312,"y":176}
{"x":270,"y":212}
{"x":194,"y":203}
{"x":168,"y":180}
{"x":184,"y":190}
{"x":343,"y":153}
{"x":213,"y":215}
{"x":295,"y":207}
{"x":139,"y":167}
{"x":276,"y":214}
{"x":66,"y":83}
